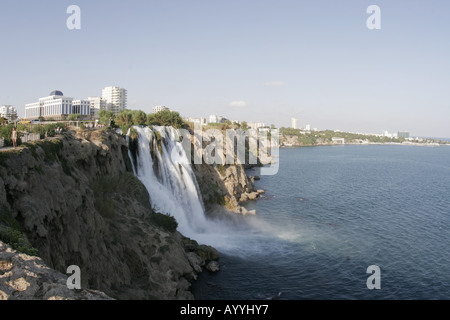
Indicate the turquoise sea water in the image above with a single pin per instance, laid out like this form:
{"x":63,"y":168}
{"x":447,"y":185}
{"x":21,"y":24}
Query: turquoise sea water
{"x":331,"y":212}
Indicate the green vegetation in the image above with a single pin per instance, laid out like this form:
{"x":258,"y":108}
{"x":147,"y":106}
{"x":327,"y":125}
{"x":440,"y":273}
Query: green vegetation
{"x":52,"y":148}
{"x":106,"y":117}
{"x":111,"y":187}
{"x":11,"y":234}
{"x":127,"y":118}
{"x":74,"y":117}
{"x":46,"y":130}
{"x":221,"y":169}
{"x":313,"y":138}
{"x":166,"y":118}
{"x":133,"y":133}
{"x":164,"y":221}
{"x":106,"y":187}
{"x":5,"y":133}
{"x":139,"y":117}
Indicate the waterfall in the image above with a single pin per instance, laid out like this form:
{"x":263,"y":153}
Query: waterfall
{"x":164,"y":169}
{"x":162,"y":165}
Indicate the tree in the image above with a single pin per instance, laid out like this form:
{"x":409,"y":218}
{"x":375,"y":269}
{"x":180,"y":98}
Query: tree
{"x":106,"y":117}
{"x":73,"y":117}
{"x":244,"y":125}
{"x":166,"y":118}
{"x":139,"y":117}
{"x":124,"y":118}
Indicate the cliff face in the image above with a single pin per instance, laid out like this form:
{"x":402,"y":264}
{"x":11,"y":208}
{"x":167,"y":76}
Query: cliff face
{"x":77,"y":203}
{"x":225,"y":185}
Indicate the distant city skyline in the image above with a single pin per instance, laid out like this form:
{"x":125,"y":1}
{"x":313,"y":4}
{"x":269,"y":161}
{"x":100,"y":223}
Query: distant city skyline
{"x":261,"y":61}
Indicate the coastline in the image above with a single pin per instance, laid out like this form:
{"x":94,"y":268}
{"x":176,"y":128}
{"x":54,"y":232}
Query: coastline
{"x":365,"y":144}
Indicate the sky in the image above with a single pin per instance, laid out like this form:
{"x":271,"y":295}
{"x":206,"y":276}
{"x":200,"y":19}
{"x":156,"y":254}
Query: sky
{"x":250,"y":60}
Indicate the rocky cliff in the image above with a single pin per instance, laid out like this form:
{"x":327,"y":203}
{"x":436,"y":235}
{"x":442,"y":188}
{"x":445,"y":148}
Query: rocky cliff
{"x":73,"y":200}
{"x":227,"y":185}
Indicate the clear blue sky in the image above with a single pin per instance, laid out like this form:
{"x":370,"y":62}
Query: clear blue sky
{"x":313,"y":60}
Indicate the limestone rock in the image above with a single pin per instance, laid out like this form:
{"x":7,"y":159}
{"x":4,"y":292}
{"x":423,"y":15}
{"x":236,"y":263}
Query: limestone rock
{"x":23,"y":277}
{"x":213,"y":266}
{"x":223,"y":185}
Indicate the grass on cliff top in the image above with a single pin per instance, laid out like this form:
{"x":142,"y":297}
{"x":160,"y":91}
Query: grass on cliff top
{"x":52,"y":148}
{"x":11,"y":234}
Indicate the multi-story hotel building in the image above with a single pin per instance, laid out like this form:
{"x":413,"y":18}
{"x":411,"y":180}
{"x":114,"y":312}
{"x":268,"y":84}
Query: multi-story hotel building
{"x":57,"y":107}
{"x":116,"y":98}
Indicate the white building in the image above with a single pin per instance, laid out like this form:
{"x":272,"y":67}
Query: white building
{"x":8,"y":112}
{"x":294,"y":123}
{"x":255,"y":125}
{"x":157,"y":109}
{"x":217,"y":119}
{"x":308,"y":127}
{"x":81,"y":107}
{"x":201,"y":121}
{"x":57,"y":107}
{"x":213,"y":119}
{"x":97,"y":104}
{"x":337,"y":140}
{"x":116,"y":98}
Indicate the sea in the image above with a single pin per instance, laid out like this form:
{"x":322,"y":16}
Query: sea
{"x":330,"y":215}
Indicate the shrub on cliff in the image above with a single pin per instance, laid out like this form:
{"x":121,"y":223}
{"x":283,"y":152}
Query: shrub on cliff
{"x":11,"y":234}
{"x":164,"y":221}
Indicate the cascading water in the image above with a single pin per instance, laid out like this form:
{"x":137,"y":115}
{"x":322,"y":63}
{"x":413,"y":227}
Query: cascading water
{"x":164,"y":168}
{"x":169,"y":178}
